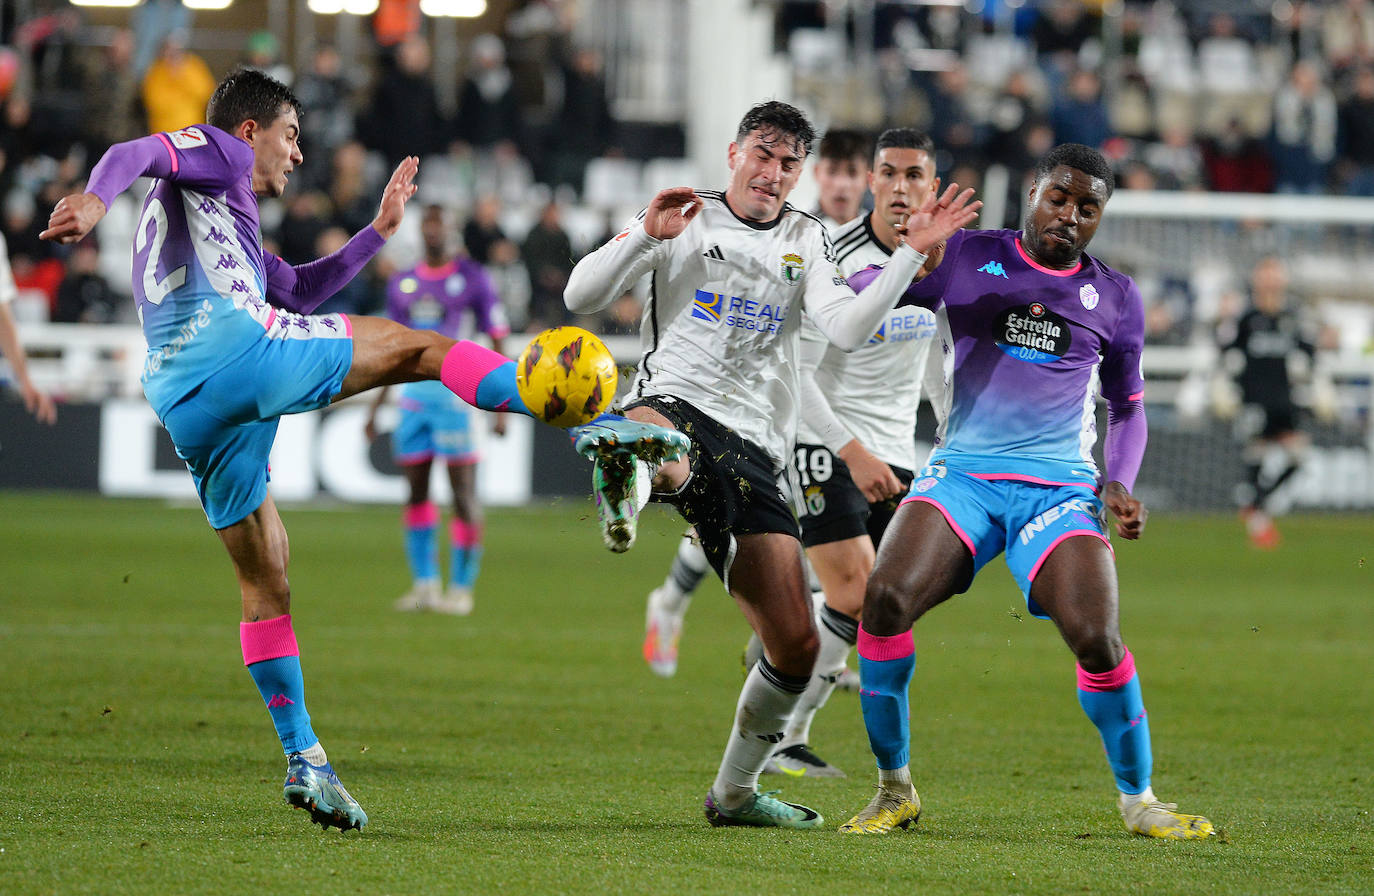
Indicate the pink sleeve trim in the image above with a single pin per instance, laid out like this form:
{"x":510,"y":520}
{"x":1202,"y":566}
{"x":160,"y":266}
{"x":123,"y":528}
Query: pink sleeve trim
{"x":1108,"y":681}
{"x":889,"y":647}
{"x":1138,"y":396}
{"x":1050,"y":550}
{"x":464,"y":367}
{"x":959,"y":533}
{"x":268,"y":639}
{"x":176,"y":163}
{"x":348,"y":325}
{"x":421,"y":516}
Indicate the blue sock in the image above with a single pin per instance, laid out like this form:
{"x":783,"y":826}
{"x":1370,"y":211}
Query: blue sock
{"x":497,"y":392}
{"x":885,"y":668}
{"x":422,"y":552}
{"x":1113,"y":702}
{"x":283,"y":690}
{"x":465,"y":546}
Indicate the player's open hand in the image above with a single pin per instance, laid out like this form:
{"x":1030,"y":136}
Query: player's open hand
{"x":394,"y":197}
{"x":73,"y":217}
{"x":670,"y":212}
{"x":939,"y":218}
{"x":40,"y":404}
{"x":1129,"y":512}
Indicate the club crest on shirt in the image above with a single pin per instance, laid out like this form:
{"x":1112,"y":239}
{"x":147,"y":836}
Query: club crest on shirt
{"x":793,"y":267}
{"x":1087,"y":294}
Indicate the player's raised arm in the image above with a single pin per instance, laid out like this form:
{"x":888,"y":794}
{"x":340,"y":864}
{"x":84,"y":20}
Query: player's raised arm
{"x":670,"y":211}
{"x":73,"y":217}
{"x":603,"y":276}
{"x":397,"y":192}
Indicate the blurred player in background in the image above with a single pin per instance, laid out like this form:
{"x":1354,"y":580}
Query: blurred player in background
{"x":1037,"y":326}
{"x":451,"y":294}
{"x":35,"y":402}
{"x":841,"y":172}
{"x":733,"y":272}
{"x":232,"y":347}
{"x":1259,"y":349}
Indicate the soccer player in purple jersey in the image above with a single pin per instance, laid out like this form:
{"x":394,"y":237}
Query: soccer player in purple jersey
{"x":232,"y":346}
{"x":1037,"y":327}
{"x":452,"y":294}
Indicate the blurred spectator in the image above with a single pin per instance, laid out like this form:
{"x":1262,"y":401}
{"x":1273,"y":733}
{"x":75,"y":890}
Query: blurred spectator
{"x":1304,"y":130}
{"x":404,"y":118}
{"x":84,"y":295}
{"x":307,"y":216}
{"x":1080,"y":114}
{"x":483,"y":236}
{"x":396,"y":21}
{"x":548,"y":257}
{"x":536,"y":32}
{"x":1348,"y":34}
{"x":487,"y":111}
{"x":1229,"y":76}
{"x":1013,"y":112}
{"x":1356,"y":115}
{"x":152,"y":22}
{"x":1175,"y":159}
{"x":110,"y":91}
{"x":584,"y":128}
{"x":262,"y":52}
{"x":351,"y":189}
{"x":952,"y":124}
{"x":176,"y":86}
{"x":1061,"y":29}
{"x":327,"y":104}
{"x":1236,"y":162}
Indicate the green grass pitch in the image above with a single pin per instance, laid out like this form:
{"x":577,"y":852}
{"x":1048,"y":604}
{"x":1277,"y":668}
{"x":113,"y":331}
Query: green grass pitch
{"x":527,"y":749}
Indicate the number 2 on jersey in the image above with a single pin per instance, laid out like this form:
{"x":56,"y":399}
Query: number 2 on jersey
{"x":155,"y":290}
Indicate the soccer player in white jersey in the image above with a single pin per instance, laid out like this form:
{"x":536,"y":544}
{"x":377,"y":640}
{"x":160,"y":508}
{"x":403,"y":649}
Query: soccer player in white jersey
{"x":232,"y":347}
{"x":732,"y":273}
{"x":841,"y":172}
{"x":856,"y":448}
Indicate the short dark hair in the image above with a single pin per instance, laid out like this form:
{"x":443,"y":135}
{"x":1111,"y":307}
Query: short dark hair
{"x":1079,"y":157}
{"x":248,"y":95}
{"x":905,"y":138}
{"x":785,"y":122}
{"x":841,"y":144}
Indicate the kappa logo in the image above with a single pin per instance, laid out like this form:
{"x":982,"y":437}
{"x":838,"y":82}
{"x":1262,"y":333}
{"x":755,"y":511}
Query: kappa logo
{"x":994,"y":268}
{"x":1087,"y":294}
{"x":715,"y":253}
{"x":188,"y":138}
{"x":280,"y":700}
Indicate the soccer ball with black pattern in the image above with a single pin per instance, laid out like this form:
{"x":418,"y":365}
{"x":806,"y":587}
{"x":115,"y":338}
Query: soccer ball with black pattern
{"x":566,"y":376}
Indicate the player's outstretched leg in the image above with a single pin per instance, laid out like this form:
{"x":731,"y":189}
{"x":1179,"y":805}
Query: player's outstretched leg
{"x":316,"y":789}
{"x":667,"y":606}
{"x":886,"y":664}
{"x":1113,"y":702}
{"x":624,"y":453}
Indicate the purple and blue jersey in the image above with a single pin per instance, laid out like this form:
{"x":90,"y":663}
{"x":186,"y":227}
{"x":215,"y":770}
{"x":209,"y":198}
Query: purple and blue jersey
{"x":456,"y":299}
{"x":205,"y":290}
{"x":1032,"y":349}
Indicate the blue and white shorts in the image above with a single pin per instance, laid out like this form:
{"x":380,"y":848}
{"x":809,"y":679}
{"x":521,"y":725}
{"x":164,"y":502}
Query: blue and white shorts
{"x":1025,"y":519}
{"x":434,"y":423}
{"x":224,"y":430}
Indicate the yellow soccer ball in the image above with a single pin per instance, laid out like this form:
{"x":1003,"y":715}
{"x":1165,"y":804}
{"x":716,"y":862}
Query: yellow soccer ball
{"x":566,"y":376}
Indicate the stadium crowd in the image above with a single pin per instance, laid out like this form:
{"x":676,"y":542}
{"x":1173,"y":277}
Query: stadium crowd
{"x":1214,"y":96}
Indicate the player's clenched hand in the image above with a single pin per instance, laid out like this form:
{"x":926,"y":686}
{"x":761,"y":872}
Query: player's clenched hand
{"x":940,"y":217}
{"x":873,"y":477}
{"x":73,"y":217}
{"x":670,"y":212}
{"x":398,"y":190}
{"x":1129,"y":512}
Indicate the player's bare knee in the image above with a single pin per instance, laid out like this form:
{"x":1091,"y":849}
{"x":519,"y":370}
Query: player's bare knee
{"x":1097,"y":650}
{"x":887,"y":608}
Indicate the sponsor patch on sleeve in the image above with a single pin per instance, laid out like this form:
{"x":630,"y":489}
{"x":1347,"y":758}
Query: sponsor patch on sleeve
{"x":188,"y":138}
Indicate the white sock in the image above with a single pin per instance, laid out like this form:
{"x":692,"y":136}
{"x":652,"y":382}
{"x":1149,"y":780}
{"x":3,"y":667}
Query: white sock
{"x":1145,"y":796}
{"x":765,"y":703}
{"x":314,"y":754}
{"x":830,"y":663}
{"x":688,"y":569}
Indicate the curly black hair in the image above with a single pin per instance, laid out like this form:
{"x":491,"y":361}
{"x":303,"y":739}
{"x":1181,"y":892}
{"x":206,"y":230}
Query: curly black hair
{"x":247,"y":94}
{"x":1079,"y":157}
{"x":778,"y":122}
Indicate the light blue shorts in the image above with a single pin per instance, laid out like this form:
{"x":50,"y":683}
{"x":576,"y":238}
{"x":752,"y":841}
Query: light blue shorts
{"x":224,"y":430}
{"x":1027,"y":520}
{"x":434,"y":423}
